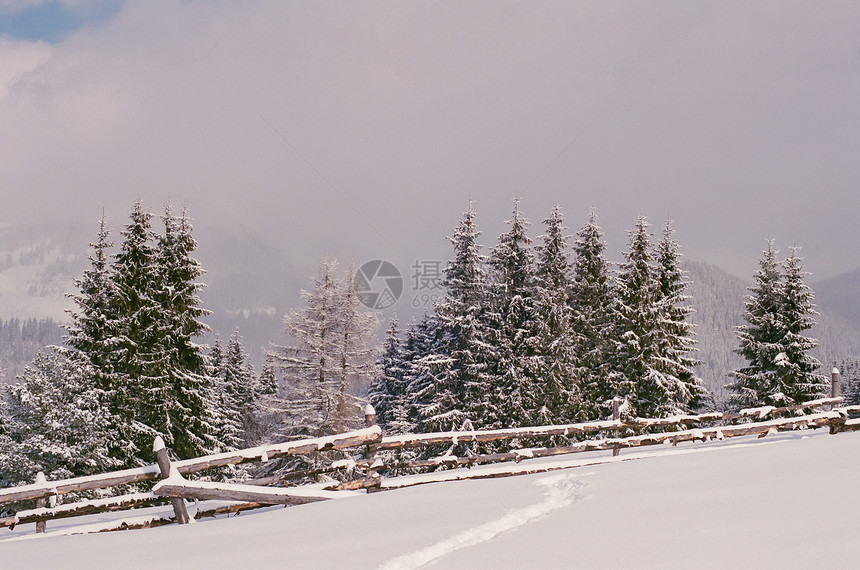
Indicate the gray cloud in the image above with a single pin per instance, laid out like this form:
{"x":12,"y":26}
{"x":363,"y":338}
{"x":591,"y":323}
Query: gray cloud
{"x":739,"y":120}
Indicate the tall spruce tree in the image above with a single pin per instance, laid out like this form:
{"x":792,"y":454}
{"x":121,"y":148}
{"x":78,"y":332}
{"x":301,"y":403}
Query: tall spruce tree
{"x":268,"y":406}
{"x":592,"y":300}
{"x":635,"y":379}
{"x":243,"y":382}
{"x":556,"y":339}
{"x":93,"y":331}
{"x":457,"y":361}
{"x":132,"y":369}
{"x":90,"y":327}
{"x":181,"y":361}
{"x":799,"y":377}
{"x":514,"y":390}
{"x":387,"y":391}
{"x":224,"y":409}
{"x":780,"y":370}
{"x":235,"y":407}
{"x":675,"y":339}
{"x":418,"y":356}
{"x":760,"y":338}
{"x":136,"y":321}
{"x":133,"y":365}
{"x":268,"y":381}
{"x":850,"y":384}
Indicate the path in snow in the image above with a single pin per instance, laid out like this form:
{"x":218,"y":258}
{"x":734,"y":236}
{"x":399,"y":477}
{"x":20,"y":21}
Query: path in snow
{"x":560,"y":489}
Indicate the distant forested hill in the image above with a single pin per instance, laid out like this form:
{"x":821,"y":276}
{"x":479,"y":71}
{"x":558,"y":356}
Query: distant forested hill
{"x":21,"y":340}
{"x":718,"y":300}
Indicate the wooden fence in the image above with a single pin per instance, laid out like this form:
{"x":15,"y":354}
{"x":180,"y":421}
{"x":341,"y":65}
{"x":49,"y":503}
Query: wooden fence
{"x":41,"y":489}
{"x":380,"y":456}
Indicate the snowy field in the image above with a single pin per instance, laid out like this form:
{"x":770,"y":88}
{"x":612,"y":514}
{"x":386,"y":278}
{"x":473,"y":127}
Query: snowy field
{"x":785,"y":501}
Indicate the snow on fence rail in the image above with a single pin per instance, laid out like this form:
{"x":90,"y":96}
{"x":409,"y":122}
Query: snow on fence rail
{"x":43,"y":489}
{"x":186,"y":466}
{"x":177,"y":488}
{"x":836,"y":419}
{"x":455,"y":437}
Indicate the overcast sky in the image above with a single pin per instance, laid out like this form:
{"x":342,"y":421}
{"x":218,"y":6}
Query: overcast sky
{"x":361,"y":129}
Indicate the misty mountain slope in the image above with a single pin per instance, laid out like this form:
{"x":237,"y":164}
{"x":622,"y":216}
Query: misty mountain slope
{"x":38,"y":265}
{"x":840,"y":296}
{"x":717,"y":297}
{"x":250,"y":285}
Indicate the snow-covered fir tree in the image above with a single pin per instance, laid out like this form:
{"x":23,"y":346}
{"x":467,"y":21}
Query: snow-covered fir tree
{"x":225,"y":412}
{"x":268,"y":381}
{"x":651,"y":369}
{"x":268,"y":405}
{"x":556,"y":339}
{"x":635,"y":380}
{"x":417,"y":354}
{"x":514,"y":391}
{"x":388,"y":390}
{"x":131,"y":366}
{"x":849,"y":370}
{"x":90,"y":329}
{"x":458,"y":358}
{"x":93,"y":332}
{"x":759,"y":338}
{"x":246,"y":388}
{"x":236,"y":403}
{"x":182,"y":361}
{"x":592,"y":300}
{"x":57,"y":422}
{"x":393,"y":395}
{"x":136,"y":320}
{"x":800,"y":378}
{"x":779,"y":371}
{"x":675,"y":338}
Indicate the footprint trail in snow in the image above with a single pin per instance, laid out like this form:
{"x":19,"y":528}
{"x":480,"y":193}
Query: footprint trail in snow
{"x":560,"y":489}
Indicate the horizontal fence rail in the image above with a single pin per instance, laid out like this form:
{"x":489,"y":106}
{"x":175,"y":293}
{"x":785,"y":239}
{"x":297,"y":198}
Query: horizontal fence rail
{"x":481,"y":436}
{"x":126,"y":476}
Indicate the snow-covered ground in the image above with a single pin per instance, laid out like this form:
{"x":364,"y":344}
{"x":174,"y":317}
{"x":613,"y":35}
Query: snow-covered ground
{"x":785,"y":501}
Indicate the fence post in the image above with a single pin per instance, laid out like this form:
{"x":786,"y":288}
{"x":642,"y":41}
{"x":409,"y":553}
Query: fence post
{"x":616,"y":415}
{"x":834,"y":383}
{"x":41,"y":526}
{"x":164,"y":465}
{"x":369,"y":416}
{"x":370,"y":449}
